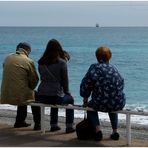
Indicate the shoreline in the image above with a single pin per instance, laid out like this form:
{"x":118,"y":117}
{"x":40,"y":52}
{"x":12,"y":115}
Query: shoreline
{"x":11,"y":114}
{"x":136,"y":120}
{"x":7,"y":116}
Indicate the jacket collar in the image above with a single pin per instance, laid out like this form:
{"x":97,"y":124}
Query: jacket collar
{"x":104,"y":61}
{"x":22,"y":51}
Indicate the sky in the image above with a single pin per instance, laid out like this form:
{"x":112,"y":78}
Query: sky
{"x":74,"y":13}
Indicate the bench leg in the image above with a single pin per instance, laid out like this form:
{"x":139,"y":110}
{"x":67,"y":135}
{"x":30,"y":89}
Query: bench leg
{"x":128,"y":128}
{"x":42,"y":120}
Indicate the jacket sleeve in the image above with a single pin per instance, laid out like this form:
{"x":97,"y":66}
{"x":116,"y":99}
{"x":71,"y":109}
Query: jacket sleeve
{"x":86,"y":85}
{"x":33,"y":76}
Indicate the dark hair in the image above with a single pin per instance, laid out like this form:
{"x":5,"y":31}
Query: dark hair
{"x":24,"y":45}
{"x":64,"y":55}
{"x":52,"y":53}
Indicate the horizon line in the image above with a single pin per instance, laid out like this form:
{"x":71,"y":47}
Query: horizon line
{"x":71,"y":26}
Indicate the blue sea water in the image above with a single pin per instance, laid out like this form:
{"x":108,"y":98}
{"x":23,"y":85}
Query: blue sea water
{"x":129,"y":47}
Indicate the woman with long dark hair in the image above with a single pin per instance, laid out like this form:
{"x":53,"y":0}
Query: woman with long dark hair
{"x":54,"y":85}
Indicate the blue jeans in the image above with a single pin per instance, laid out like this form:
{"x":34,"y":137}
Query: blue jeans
{"x":94,"y":118}
{"x":67,"y":99}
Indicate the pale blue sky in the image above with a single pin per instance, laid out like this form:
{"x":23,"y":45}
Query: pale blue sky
{"x":73,"y":13}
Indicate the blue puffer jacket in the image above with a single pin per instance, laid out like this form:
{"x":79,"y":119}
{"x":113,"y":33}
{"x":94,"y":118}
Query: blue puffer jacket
{"x":105,"y":85}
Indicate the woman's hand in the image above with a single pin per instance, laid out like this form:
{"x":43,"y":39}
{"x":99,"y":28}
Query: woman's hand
{"x":85,"y":102}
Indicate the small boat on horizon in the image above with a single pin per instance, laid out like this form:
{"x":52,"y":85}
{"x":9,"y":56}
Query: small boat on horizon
{"x":97,"y":25}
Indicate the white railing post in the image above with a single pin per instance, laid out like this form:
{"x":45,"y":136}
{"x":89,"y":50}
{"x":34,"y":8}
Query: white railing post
{"x":128,"y":128}
{"x":42,"y":119}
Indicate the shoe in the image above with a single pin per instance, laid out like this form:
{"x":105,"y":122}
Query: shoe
{"x":98,"y":136}
{"x":37,"y":127}
{"x":70,"y":130}
{"x":115,"y":136}
{"x":55,"y":128}
{"x":19,"y":125}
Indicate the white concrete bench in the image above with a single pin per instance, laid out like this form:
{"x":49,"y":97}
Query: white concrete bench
{"x":128,"y":114}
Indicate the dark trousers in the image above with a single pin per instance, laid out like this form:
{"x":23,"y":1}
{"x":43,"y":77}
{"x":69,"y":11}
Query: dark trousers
{"x":94,"y":118}
{"x":54,"y":111}
{"x":22,"y":114}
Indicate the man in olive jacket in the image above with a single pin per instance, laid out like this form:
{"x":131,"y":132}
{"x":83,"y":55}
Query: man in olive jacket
{"x":18,"y":83}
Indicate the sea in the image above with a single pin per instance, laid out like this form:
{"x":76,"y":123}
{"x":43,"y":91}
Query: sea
{"x":129,"y":46}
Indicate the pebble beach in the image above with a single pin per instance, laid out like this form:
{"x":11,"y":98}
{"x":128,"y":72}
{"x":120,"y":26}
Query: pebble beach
{"x":7,"y":118}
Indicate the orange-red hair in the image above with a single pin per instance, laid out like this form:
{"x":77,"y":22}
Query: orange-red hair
{"x":103,"y":53}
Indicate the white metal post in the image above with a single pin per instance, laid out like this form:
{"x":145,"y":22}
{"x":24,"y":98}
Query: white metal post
{"x":42,"y":119}
{"x":128,"y":128}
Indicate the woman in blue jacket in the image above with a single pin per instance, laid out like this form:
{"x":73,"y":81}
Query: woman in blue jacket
{"x":105,"y":85}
